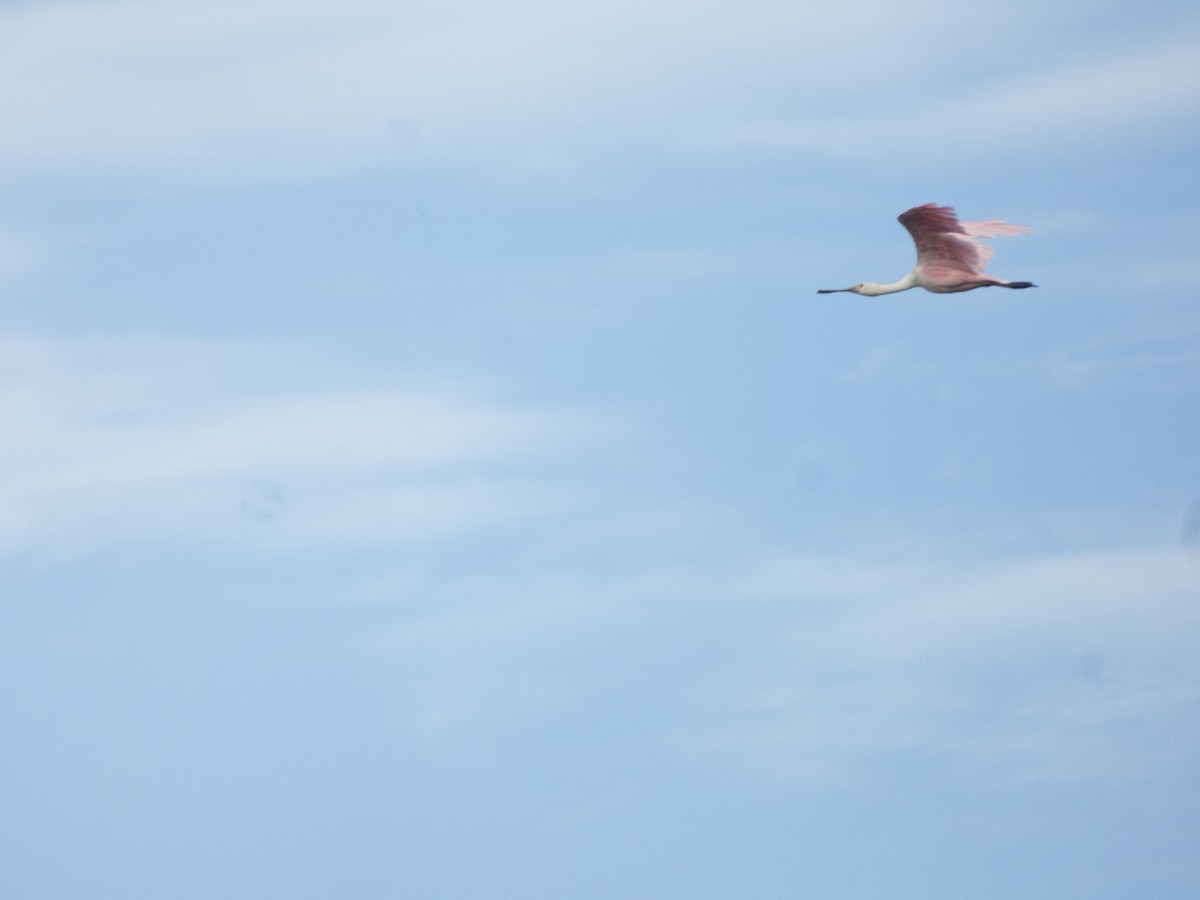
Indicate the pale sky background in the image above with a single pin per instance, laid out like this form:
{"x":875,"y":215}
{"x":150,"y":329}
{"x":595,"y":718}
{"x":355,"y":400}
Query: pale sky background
{"x":428,"y":471}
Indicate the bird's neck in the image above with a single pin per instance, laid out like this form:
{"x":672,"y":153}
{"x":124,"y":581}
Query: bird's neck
{"x":871,"y":289}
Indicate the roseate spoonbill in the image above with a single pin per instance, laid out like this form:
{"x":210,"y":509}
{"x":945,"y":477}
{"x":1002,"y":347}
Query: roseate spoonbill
{"x":950,"y":255}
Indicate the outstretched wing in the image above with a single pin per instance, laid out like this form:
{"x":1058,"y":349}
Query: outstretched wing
{"x":943,"y":241}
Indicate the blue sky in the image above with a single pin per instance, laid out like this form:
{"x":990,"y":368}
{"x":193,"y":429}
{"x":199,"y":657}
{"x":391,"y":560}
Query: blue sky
{"x":428,"y":469}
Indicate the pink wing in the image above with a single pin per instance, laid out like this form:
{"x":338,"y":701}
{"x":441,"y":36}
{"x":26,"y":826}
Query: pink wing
{"x":993,"y":228}
{"x":943,"y":241}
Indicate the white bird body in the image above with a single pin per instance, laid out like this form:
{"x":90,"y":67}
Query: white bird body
{"x":951,"y":256}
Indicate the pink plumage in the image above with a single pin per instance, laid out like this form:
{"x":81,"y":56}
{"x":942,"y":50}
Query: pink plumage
{"x":951,"y":256}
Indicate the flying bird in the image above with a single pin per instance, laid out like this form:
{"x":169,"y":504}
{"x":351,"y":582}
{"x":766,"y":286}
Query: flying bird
{"x":950,"y":255}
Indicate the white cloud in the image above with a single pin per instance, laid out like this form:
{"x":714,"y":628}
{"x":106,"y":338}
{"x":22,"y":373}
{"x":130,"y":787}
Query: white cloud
{"x":1150,"y":86}
{"x":286,"y":87}
{"x":266,"y":89}
{"x":1159,"y":347}
{"x":1153,"y":82}
{"x":1075,"y":665}
{"x":124,"y":439}
{"x":1061,"y":666}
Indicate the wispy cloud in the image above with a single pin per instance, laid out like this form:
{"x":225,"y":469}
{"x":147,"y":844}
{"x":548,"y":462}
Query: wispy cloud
{"x":1147,"y":87}
{"x":1059,"y":667}
{"x":806,"y":665}
{"x":123,"y":439}
{"x":263,"y":89}
{"x":316,"y":85}
{"x":1168,"y":347}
